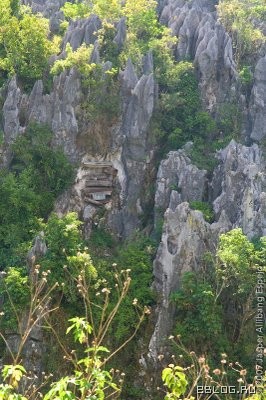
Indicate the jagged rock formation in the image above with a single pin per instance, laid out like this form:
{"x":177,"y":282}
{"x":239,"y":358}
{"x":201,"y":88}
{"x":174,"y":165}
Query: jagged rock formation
{"x":128,"y":152}
{"x":82,"y":31}
{"x":55,"y":110}
{"x":238,"y":193}
{"x":239,"y":188}
{"x":11,"y":123}
{"x":50,"y":9}
{"x":186,"y":237}
{"x":204,"y":40}
{"x":178,"y":180}
{"x":126,"y":145}
{"x":38,"y":250}
{"x":258,"y":102}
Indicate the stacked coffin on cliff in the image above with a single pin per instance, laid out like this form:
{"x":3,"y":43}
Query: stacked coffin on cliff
{"x":99,"y":182}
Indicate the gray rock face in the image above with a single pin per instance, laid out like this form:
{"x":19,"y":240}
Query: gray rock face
{"x":202,"y":39}
{"x":186,"y":237}
{"x":238,"y":193}
{"x":32,"y":353}
{"x":57,"y":110}
{"x":258,"y":101}
{"x":38,"y":250}
{"x":126,"y":146}
{"x":11,"y":113}
{"x":128,"y":153}
{"x":82,"y":31}
{"x":138,"y":103}
{"x":239,"y":188}
{"x":50,"y":9}
{"x":121,"y":33}
{"x":179,"y":180}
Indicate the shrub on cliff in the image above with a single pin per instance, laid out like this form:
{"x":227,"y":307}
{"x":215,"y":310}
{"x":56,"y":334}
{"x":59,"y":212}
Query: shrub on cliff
{"x":24,"y":44}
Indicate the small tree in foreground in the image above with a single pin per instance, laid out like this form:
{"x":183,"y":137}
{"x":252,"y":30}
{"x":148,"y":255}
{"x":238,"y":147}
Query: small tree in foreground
{"x":90,"y":378}
{"x":197,"y":379}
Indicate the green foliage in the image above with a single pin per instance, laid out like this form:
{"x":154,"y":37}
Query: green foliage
{"x":199,"y":374}
{"x":144,"y":32}
{"x":202,"y":153}
{"x":19,"y":208}
{"x":136,"y":255}
{"x":215,"y":307}
{"x":109,"y":50}
{"x":103,"y":101}
{"x":240,"y":18}
{"x":218,"y":135}
{"x":88,"y":375}
{"x":110,"y":9}
{"x":107,"y":10}
{"x":15,"y":294}
{"x":14,"y":4}
{"x":38,"y":175}
{"x":179,"y":117}
{"x":236,"y":267}
{"x":101,"y":239}
{"x":99,"y":84}
{"x":245,"y":75}
{"x":14,"y":373}
{"x":66,"y":256}
{"x":205,"y":208}
{"x":24,"y":44}
{"x":80,"y":328}
{"x":197,"y":309}
{"x":79,"y":59}
{"x":51,"y":172}
{"x":90,"y":379}
{"x":175,"y":380}
{"x":78,"y":9}
{"x":228,"y":121}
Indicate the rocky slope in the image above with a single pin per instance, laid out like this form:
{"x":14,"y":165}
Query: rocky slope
{"x":237,"y":187}
{"x":238,"y":194}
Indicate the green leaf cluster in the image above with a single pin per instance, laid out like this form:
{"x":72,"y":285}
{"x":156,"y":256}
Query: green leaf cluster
{"x":205,"y":208}
{"x":199,"y":317}
{"x":67,"y":256}
{"x":38,"y":174}
{"x":13,"y":374}
{"x":180,"y":117}
{"x":77,"y":9}
{"x":98,"y":82}
{"x":242,"y":19}
{"x":215,"y":306}
{"x":175,"y":380}
{"x":24,"y":44}
{"x":15,"y":295}
{"x":89,"y":380}
{"x":237,"y":263}
{"x":136,"y":255}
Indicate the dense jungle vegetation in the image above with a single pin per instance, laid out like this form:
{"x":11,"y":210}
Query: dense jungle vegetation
{"x":93,"y":297}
